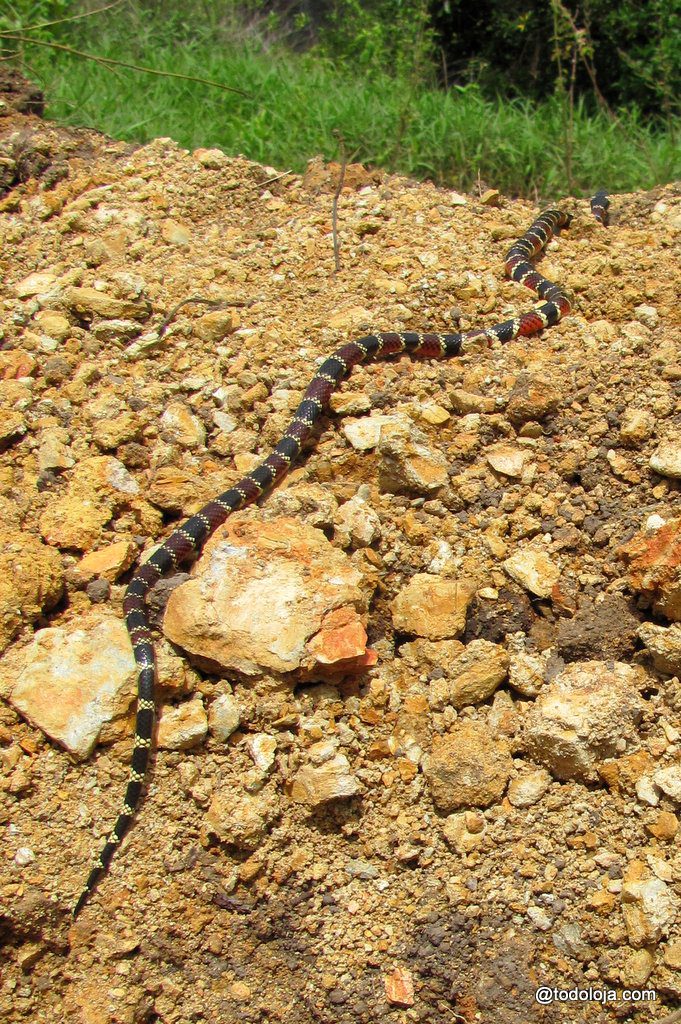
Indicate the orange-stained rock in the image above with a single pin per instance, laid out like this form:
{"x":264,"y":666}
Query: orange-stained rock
{"x":97,"y":486}
{"x":70,"y":682}
{"x":180,"y":425}
{"x":182,"y":727}
{"x":15,"y":363}
{"x":650,"y":908}
{"x":654,"y":561}
{"x":89,"y":302}
{"x":108,"y":562}
{"x":31,"y":581}
{"x":409,"y":463}
{"x":432,"y":607}
{"x":532,"y":568}
{"x":399,"y":987}
{"x":468,"y":767}
{"x":241,"y":819}
{"x":261,"y":592}
{"x":316,"y":784}
{"x":341,"y":637}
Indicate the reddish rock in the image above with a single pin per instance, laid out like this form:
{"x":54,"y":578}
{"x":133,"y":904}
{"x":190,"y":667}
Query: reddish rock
{"x":15,"y":363}
{"x":399,"y":987}
{"x":342,"y":638}
{"x":654,"y":562}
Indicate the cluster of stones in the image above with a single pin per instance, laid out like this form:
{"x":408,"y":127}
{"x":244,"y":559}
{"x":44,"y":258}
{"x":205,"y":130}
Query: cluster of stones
{"x":274,"y":604}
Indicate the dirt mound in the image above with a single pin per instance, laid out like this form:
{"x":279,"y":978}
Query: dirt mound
{"x":392,"y":884}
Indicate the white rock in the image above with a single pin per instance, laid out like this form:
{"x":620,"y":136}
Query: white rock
{"x":666,"y":459}
{"x":365,"y":433}
{"x":506,"y":459}
{"x":182,"y":426}
{"x":223,"y":716}
{"x":323,"y":750}
{"x":533,"y":569}
{"x":182,"y":727}
{"x":539,"y":918}
{"x":529,"y":788}
{"x":358,"y":522}
{"x":646,"y":791}
{"x":650,"y":908}
{"x":669,"y":781}
{"x":587,"y":713}
{"x":648,"y":315}
{"x":527,"y":669}
{"x":35,"y":284}
{"x":69,"y":682}
{"x":262,"y":747}
{"x":332,"y":780}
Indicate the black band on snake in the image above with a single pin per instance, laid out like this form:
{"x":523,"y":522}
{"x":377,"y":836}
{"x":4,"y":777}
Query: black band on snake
{"x":600,"y":204}
{"x":188,"y":538}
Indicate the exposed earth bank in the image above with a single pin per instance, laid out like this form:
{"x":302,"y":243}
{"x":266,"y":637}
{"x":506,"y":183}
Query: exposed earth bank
{"x":419,"y":751}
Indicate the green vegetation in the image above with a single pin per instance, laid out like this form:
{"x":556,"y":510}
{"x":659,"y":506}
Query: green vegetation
{"x":304,"y":90}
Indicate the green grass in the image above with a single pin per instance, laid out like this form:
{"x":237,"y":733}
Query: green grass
{"x":297,"y":101}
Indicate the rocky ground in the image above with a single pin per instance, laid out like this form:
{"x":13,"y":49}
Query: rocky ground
{"x":419,"y":751}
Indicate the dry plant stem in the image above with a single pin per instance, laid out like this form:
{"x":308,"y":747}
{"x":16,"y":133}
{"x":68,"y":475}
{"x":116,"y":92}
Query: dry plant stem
{"x":445,"y":75}
{"x":334,"y":205}
{"x":110,"y":62}
{"x":216,"y":303}
{"x":39,"y":42}
{"x":570,"y":127}
{"x":579,"y":36}
{"x":270,"y":181}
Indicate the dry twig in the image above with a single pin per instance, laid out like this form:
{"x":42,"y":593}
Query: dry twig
{"x":270,"y":181}
{"x":334,"y":205}
{"x":109,"y":61}
{"x":215,"y":303}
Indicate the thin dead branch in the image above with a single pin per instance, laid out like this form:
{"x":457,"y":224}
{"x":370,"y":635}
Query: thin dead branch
{"x":334,"y":205}
{"x":106,"y":61}
{"x":215,"y":303}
